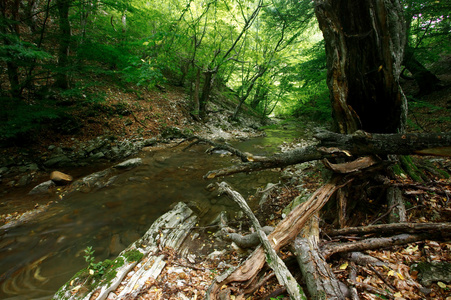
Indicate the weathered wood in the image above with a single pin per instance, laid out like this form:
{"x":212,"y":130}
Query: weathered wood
{"x":317,"y":275}
{"x":346,"y":145}
{"x":375,"y":243}
{"x":283,"y":275}
{"x":249,"y":240}
{"x":284,"y":233}
{"x":392,"y":228}
{"x":352,"y":166}
{"x":394,"y":199}
{"x":170,"y":230}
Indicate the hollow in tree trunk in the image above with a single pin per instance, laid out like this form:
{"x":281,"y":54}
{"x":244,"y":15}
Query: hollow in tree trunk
{"x":364,"y":47}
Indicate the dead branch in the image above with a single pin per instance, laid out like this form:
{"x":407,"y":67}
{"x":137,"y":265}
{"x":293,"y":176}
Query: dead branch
{"x":333,"y":145}
{"x":374,"y":243}
{"x":245,"y":157}
{"x":393,"y":228}
{"x":283,"y":275}
{"x":285,"y":232}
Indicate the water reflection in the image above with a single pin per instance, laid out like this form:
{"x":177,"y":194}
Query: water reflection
{"x":40,"y":256}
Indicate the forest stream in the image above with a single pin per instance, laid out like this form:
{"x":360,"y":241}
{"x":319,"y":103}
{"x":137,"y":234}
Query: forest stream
{"x":39,"y":256}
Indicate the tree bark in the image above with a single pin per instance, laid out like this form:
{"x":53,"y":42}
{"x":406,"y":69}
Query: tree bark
{"x":364,"y":49}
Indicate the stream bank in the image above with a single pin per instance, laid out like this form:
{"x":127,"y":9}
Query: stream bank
{"x":111,"y":216}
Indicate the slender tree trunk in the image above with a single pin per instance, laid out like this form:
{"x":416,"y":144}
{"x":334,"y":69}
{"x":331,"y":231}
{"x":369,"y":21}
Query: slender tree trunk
{"x":364,"y":47}
{"x":62,"y":78}
{"x":10,"y":30}
{"x":206,"y":91}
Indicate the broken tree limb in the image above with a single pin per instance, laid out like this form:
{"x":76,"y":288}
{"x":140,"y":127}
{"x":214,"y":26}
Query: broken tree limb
{"x":369,"y":244}
{"x":393,"y":228}
{"x":317,"y":275}
{"x":333,"y":145}
{"x":284,"y":233}
{"x":283,"y":275}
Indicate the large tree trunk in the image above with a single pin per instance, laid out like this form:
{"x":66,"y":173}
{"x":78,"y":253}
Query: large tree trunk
{"x":364,"y":48}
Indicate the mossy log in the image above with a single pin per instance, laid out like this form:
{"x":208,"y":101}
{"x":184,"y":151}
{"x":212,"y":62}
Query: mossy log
{"x":170,"y":230}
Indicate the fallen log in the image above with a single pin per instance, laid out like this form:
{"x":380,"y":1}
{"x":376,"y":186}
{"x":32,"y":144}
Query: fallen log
{"x":170,"y":230}
{"x":333,"y":145}
{"x":284,"y":233}
{"x":283,"y":275}
{"x":320,"y":280}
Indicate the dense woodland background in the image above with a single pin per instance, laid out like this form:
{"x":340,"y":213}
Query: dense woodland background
{"x":58,"y":58}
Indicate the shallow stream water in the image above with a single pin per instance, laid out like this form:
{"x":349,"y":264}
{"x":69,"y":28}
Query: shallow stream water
{"x":38,"y":257}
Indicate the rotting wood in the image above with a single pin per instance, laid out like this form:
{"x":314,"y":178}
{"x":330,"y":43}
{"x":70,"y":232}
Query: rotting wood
{"x":357,"y":144}
{"x":317,"y":275}
{"x":283,"y":275}
{"x":284,"y":233}
{"x":392,"y":228}
{"x":170,"y":230}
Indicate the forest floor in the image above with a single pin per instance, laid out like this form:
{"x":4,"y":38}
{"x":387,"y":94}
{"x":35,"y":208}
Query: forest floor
{"x":129,"y":114}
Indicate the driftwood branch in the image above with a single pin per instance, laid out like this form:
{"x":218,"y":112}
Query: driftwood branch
{"x":283,"y":275}
{"x":333,"y":145}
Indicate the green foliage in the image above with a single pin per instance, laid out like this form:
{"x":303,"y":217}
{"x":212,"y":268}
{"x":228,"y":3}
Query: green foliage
{"x":429,"y":24}
{"x":20,"y":118}
{"x":94,"y":269}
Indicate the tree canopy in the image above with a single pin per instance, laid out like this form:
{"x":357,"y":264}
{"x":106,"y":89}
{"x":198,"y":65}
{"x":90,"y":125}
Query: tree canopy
{"x":268,"y":54}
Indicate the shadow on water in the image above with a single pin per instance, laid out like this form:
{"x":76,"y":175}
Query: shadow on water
{"x":40,"y":256}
